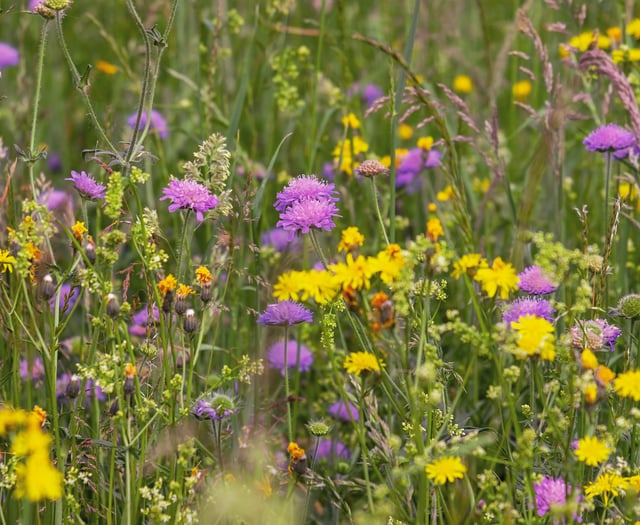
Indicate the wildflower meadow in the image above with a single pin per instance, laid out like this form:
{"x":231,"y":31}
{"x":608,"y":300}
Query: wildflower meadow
{"x":320,"y":262}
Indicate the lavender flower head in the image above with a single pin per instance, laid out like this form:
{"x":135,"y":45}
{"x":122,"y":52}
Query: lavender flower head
{"x":305,"y":187}
{"x":35,"y":372}
{"x":528,"y":306}
{"x":34,"y":3}
{"x":341,"y":410}
{"x":414,"y":162}
{"x":609,"y":138}
{"x":87,"y":186}
{"x":594,"y":334}
{"x":141,"y":321}
{"x":306,"y":214}
{"x":285,"y":313}
{"x":9,"y":56}
{"x":189,"y":195}
{"x":280,"y":240}
{"x":297,"y":354}
{"x":158,"y":123}
{"x":534,"y":281}
{"x":216,"y":408}
{"x":328,"y":448}
{"x":68,"y":297}
{"x":550,"y":491}
{"x":369,"y":93}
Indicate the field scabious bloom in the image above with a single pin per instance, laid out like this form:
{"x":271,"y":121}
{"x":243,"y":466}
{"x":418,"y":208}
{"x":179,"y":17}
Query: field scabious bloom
{"x":345,"y":411}
{"x":609,"y":138}
{"x":534,"y":281}
{"x":534,"y":337}
{"x":298,"y":355}
{"x":308,"y":214}
{"x":285,"y":313}
{"x":357,"y":362}
{"x":594,"y":334}
{"x":87,"y":186}
{"x":157,"y":122}
{"x":446,"y":470}
{"x":528,"y":306}
{"x":592,"y":451}
{"x":189,"y":195}
{"x":552,"y":492}
{"x":501,"y":276}
{"x":305,"y":187}
{"x":9,"y":56}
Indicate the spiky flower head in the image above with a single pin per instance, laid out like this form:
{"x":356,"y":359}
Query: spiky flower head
{"x":371,"y":168}
{"x":628,"y":306}
{"x":305,"y":187}
{"x":533,"y":280}
{"x":285,"y":313}
{"x":87,"y":186}
{"x":189,"y":195}
{"x":594,"y":334}
{"x":297,"y":355}
{"x":609,"y":138}
{"x":308,"y":214}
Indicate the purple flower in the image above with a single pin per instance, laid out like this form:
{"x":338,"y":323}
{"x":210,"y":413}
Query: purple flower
{"x":90,"y":387}
{"x":306,"y":214}
{"x":328,"y":448}
{"x":609,"y":138}
{"x":305,"y":187}
{"x":534,"y":281}
{"x":550,"y":491}
{"x":594,"y":334}
{"x":87,"y":186}
{"x":217,"y":408}
{"x":280,"y":240}
{"x":328,"y":171}
{"x":140,"y":321}
{"x":341,"y":410}
{"x":33,"y":373}
{"x":34,"y":3}
{"x":9,"y":56}
{"x":190,"y":195}
{"x":528,"y":306}
{"x":57,"y":200}
{"x":158,"y":123}
{"x":414,"y":162}
{"x":371,"y":93}
{"x":297,"y":354}
{"x":68,"y":297}
{"x":285,"y":313}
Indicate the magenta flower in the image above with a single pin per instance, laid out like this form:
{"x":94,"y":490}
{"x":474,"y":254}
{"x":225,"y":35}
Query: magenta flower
{"x":528,"y":306}
{"x":297,"y":355}
{"x":415,"y":162}
{"x":9,"y":56}
{"x":550,"y":491}
{"x":68,"y":297}
{"x":534,"y":281}
{"x":158,"y":123}
{"x":189,"y":195}
{"x":34,"y":3}
{"x":216,"y":409}
{"x":306,"y":214}
{"x":35,"y":372}
{"x":305,"y":187}
{"x":328,"y":448}
{"x":345,"y":411}
{"x":87,"y":186}
{"x":280,"y":240}
{"x":609,"y":138}
{"x":142,"y":321}
{"x":285,"y":313}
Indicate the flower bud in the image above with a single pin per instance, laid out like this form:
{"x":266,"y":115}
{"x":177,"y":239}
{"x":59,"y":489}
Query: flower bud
{"x":47,"y":287}
{"x":629,"y":306}
{"x":113,"y":308}
{"x":190,"y":323}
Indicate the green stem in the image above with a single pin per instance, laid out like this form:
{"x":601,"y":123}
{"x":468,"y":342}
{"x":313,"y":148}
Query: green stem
{"x":286,"y":384}
{"x":377,"y":208}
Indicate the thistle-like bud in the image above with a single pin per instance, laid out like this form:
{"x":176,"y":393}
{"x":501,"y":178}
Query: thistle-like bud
{"x":371,"y":168}
{"x":113,"y":308}
{"x":73,"y":387}
{"x":629,"y":306}
{"x":190,"y":323}
{"x":47,"y":287}
{"x":318,"y":428}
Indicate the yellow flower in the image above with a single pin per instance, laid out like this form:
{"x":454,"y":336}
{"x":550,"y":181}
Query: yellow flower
{"x":463,"y":84}
{"x":521,"y":90}
{"x":588,"y":360}
{"x":583,"y":41}
{"x":592,"y":451}
{"x":446,"y":470}
{"x":445,"y":195}
{"x":604,"y":375}
{"x":615,"y":33}
{"x":388,"y":263}
{"x":79,"y":229}
{"x":346,"y":151}
{"x":319,"y":285}
{"x":184,"y":291}
{"x":351,"y":239}
{"x":10,"y":419}
{"x":501,"y":276}
{"x":609,"y":483}
{"x":203,"y":276}
{"x":6,"y":261}
{"x":633,"y":28}
{"x":358,"y":362}
{"x":351,"y":121}
{"x":481,"y":185}
{"x":37,"y":479}
{"x":405,"y":132}
{"x":434,"y":229}
{"x":40,"y":415}
{"x":425,"y":143}
{"x":468,"y":264}
{"x":168,"y":284}
{"x":30,"y":441}
{"x":355,"y":274}
{"x":627,"y":384}
{"x":628,"y":191}
{"x":106,"y":67}
{"x":625,"y":55}
{"x":288,"y":286}
{"x":130,"y":370}
{"x":535,"y":337}
{"x":591,"y":393}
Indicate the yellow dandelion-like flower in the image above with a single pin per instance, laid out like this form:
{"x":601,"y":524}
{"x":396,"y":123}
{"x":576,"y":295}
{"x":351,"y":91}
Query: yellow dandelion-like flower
{"x":353,"y":273}
{"x":40,"y":416}
{"x":434,"y":229}
{"x":37,"y":479}
{"x":625,"y":55}
{"x":130,"y":370}
{"x":321,"y":286}
{"x":627,"y":384}
{"x":614,"y":33}
{"x":521,"y":90}
{"x":588,"y":360}
{"x":604,"y":375}
{"x":501,"y":276}
{"x":592,"y":451}
{"x":79,"y":229}
{"x":446,"y":470}
{"x":468,"y":264}
{"x":106,"y":67}
{"x":351,"y":239}
{"x":351,"y":121}
{"x":184,"y":291}
{"x":425,"y":143}
{"x":535,"y":337}
{"x":288,"y":286}
{"x":30,"y":441}
{"x":591,"y":393}
{"x":388,"y":263}
{"x":633,"y":28}
{"x":445,"y":195}
{"x":606,"y":485}
{"x":346,"y":151}
{"x":405,"y":132}
{"x":463,"y":84}
{"x":203,"y":276}
{"x":7,"y":261}
{"x":358,"y":362}
{"x":168,"y":284}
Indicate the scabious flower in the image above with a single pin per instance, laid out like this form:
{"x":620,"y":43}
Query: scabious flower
{"x":158,"y":122}
{"x":358,"y":362}
{"x":528,"y":306}
{"x":305,"y":187}
{"x":297,"y":355}
{"x":609,"y":138}
{"x":445,"y":470}
{"x":87,"y":186}
{"x":627,"y":384}
{"x":369,"y":93}
{"x":35,"y":372}
{"x":280,"y":240}
{"x":9,"y":56}
{"x":594,"y":334}
{"x":413,"y":163}
{"x":189,"y":195}
{"x":216,"y":408}
{"x":345,"y":411}
{"x":552,"y":492}
{"x":308,"y":214}
{"x":534,"y":281}
{"x":592,"y":451}
{"x":285,"y":313}
{"x":331,"y":448}
{"x":535,"y":337}
{"x":68,"y":297}
{"x":501,"y":276}
{"x":143,"y":320}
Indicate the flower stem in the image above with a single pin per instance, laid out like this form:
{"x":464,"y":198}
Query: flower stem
{"x":286,"y":384}
{"x":377,"y":208}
